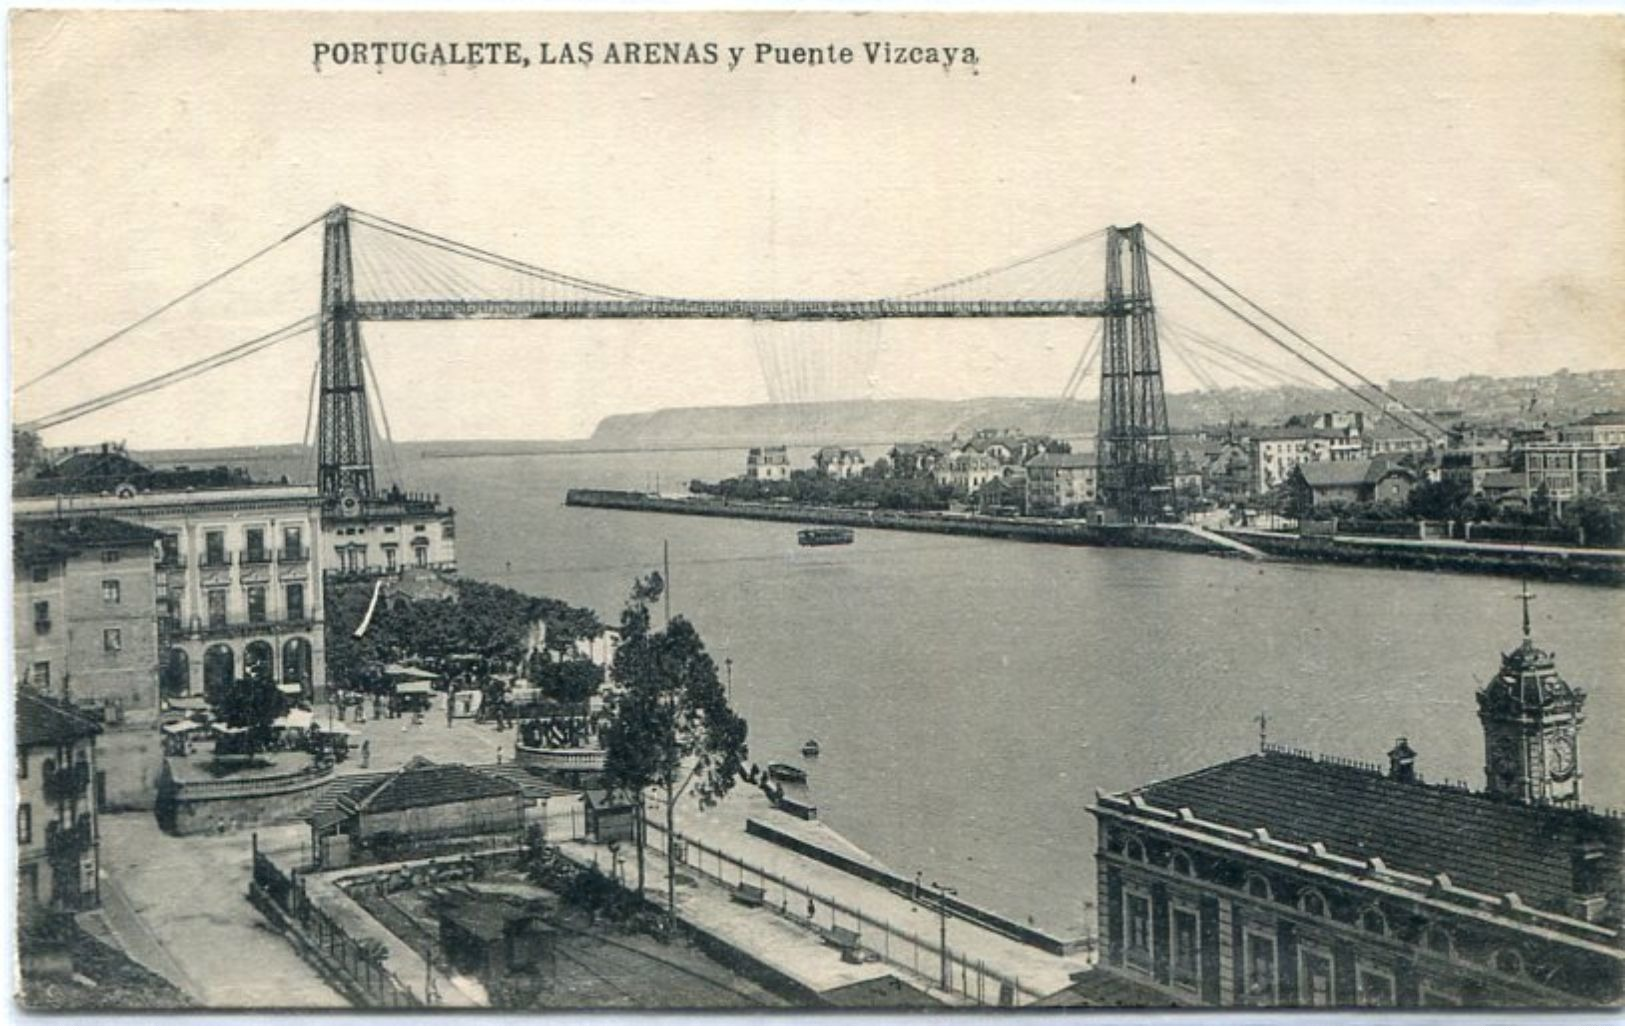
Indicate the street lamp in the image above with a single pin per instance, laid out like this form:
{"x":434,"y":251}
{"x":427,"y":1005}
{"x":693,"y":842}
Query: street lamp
{"x":943,"y":890}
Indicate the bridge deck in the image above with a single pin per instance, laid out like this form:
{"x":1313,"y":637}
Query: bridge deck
{"x":758,"y":310}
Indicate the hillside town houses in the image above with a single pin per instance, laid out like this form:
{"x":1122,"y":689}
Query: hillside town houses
{"x":1334,"y":458}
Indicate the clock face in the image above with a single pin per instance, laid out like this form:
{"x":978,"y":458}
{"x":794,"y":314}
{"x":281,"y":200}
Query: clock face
{"x":1563,"y":756}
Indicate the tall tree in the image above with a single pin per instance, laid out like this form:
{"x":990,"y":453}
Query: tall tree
{"x":670,"y":722}
{"x":252,"y":704}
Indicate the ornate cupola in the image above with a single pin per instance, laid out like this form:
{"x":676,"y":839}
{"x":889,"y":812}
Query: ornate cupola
{"x":1531,"y":721}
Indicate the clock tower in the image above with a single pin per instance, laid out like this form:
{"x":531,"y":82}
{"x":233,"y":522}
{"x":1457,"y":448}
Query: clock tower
{"x":1531,"y":721}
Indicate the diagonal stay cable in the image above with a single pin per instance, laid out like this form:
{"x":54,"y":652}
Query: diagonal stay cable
{"x":1010,"y":266}
{"x":175,"y":375}
{"x":1299,"y":336}
{"x":1154,"y":256}
{"x":466,"y":250}
{"x":194,"y":291}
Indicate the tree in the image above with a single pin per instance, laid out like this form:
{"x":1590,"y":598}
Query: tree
{"x":26,"y":452}
{"x":252,"y":704}
{"x":670,"y":723}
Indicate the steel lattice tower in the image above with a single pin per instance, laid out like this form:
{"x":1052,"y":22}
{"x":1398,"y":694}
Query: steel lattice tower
{"x":344,"y":428}
{"x":1136,"y":456}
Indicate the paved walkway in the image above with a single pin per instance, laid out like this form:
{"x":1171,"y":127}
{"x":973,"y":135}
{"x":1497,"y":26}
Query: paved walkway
{"x":784,"y":940}
{"x":183,"y":901}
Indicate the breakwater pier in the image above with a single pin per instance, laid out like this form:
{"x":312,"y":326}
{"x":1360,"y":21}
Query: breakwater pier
{"x":1575,"y":564}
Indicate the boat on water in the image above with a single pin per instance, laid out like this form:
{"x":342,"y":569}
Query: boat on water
{"x":786,"y":773}
{"x":810,"y":749}
{"x":824,"y":536}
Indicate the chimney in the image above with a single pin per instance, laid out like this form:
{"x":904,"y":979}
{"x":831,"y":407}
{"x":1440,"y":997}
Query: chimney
{"x":1402,"y":762}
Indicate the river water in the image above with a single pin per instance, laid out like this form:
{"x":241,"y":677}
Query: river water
{"x":971,"y":695}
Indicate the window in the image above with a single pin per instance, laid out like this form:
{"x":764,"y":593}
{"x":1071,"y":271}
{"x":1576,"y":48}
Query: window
{"x":293,"y":545}
{"x":110,"y":556}
{"x":112,"y":640}
{"x":214,"y":547}
{"x":217,"y":609}
{"x":1311,"y":903}
{"x":1260,"y":978}
{"x":1437,"y":940}
{"x":1181,"y":864}
{"x":1139,"y":931}
{"x":42,"y":617}
{"x":1315,"y":977}
{"x":1372,"y":921}
{"x":41,"y":677}
{"x":254,"y":544}
{"x":1259,"y":887}
{"x":110,"y":591}
{"x":294,"y":595}
{"x":256,"y":604}
{"x":1187,"y":949}
{"x":1376,"y":988}
{"x":420,"y":554}
{"x":25,"y":824}
{"x":170,"y":547}
{"x":419,"y":528}
{"x":389,"y":557}
{"x":22,"y":763}
{"x":1134,"y":850}
{"x":41,"y":573}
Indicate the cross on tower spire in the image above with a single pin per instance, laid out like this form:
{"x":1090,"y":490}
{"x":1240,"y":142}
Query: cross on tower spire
{"x":1526,"y":597}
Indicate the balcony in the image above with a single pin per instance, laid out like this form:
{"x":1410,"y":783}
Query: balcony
{"x":228,"y":629}
{"x":169,"y":562}
{"x":215,"y":561}
{"x":293,"y":555}
{"x":251,"y":557}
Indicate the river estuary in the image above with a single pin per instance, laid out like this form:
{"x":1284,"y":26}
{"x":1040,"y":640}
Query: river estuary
{"x":970,"y":695}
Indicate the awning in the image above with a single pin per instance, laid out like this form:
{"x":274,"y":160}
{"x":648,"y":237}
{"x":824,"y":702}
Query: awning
{"x":184,"y":726}
{"x":298,"y":719}
{"x":408,"y":672}
{"x":338,"y":730}
{"x":187,"y":704}
{"x":411,"y":688}
{"x":290,"y":688}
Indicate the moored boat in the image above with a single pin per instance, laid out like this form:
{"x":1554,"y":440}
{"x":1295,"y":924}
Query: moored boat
{"x":786,"y":773}
{"x":824,"y":536}
{"x":810,"y":749}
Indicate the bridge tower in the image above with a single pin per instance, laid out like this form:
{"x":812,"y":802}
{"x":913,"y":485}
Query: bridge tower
{"x":1135,"y":452}
{"x":344,"y":428}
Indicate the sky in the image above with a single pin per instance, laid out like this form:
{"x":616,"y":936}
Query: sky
{"x":1423,"y":195}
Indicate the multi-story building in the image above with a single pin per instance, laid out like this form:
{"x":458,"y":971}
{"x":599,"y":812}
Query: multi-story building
{"x":1378,"y":481}
{"x":58,"y":840}
{"x":1604,"y":427}
{"x":1061,"y":482}
{"x":1274,"y":452}
{"x":382,"y":535}
{"x":967,"y":473}
{"x":1280,"y":878}
{"x":239,"y":579}
{"x":1390,"y":437}
{"x":768,"y":464}
{"x":840,"y":462}
{"x":1566,"y":470}
{"x":85,"y":613}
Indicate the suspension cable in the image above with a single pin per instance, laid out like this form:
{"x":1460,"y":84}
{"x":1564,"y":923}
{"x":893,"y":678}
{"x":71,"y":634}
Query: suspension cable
{"x":173,"y":376}
{"x":977,"y":276}
{"x":194,"y":291}
{"x":1293,"y":332}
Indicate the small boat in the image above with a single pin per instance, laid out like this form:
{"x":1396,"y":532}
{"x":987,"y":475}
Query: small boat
{"x":810,"y":749}
{"x":824,"y":536}
{"x":786,"y":773}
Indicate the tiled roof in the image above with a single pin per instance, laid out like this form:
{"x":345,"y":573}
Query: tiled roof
{"x":48,"y":540}
{"x":1484,"y":844}
{"x":1063,"y":461}
{"x":1295,"y":433}
{"x":1100,"y":988}
{"x":1601,"y":418}
{"x":422,"y":784}
{"x":43,"y":721}
{"x":1350,"y":473}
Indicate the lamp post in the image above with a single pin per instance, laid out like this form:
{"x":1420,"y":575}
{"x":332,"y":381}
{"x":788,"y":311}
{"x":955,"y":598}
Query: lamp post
{"x":943,"y":890}
{"x":728,"y":663}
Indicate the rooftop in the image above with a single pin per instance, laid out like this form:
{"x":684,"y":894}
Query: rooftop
{"x":1350,"y":473}
{"x":36,"y":541}
{"x":41,"y":720}
{"x":1601,"y":418}
{"x":1483,"y":844}
{"x":423,"y":784}
{"x":1062,"y":461}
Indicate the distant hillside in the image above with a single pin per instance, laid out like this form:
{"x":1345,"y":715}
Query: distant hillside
{"x":1555,"y":398}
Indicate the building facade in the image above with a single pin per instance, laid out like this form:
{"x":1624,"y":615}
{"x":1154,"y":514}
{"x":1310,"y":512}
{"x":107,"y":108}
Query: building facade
{"x":58,"y":839}
{"x":1273,"y":453}
{"x":85,"y":613}
{"x":767,"y":464}
{"x":1605,"y":427}
{"x":1059,"y":483}
{"x":1567,"y":470}
{"x":1282,"y":879}
{"x":239,"y":580}
{"x":382,"y":535}
{"x":839,"y":462}
{"x":968,"y":473}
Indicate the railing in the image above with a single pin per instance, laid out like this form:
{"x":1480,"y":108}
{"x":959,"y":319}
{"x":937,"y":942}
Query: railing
{"x":224,"y":627}
{"x":214,"y":561}
{"x":172,"y":561}
{"x":293,"y":555}
{"x":758,"y":310}
{"x":260,"y":557}
{"x":967,"y":977}
{"x":359,"y":963}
